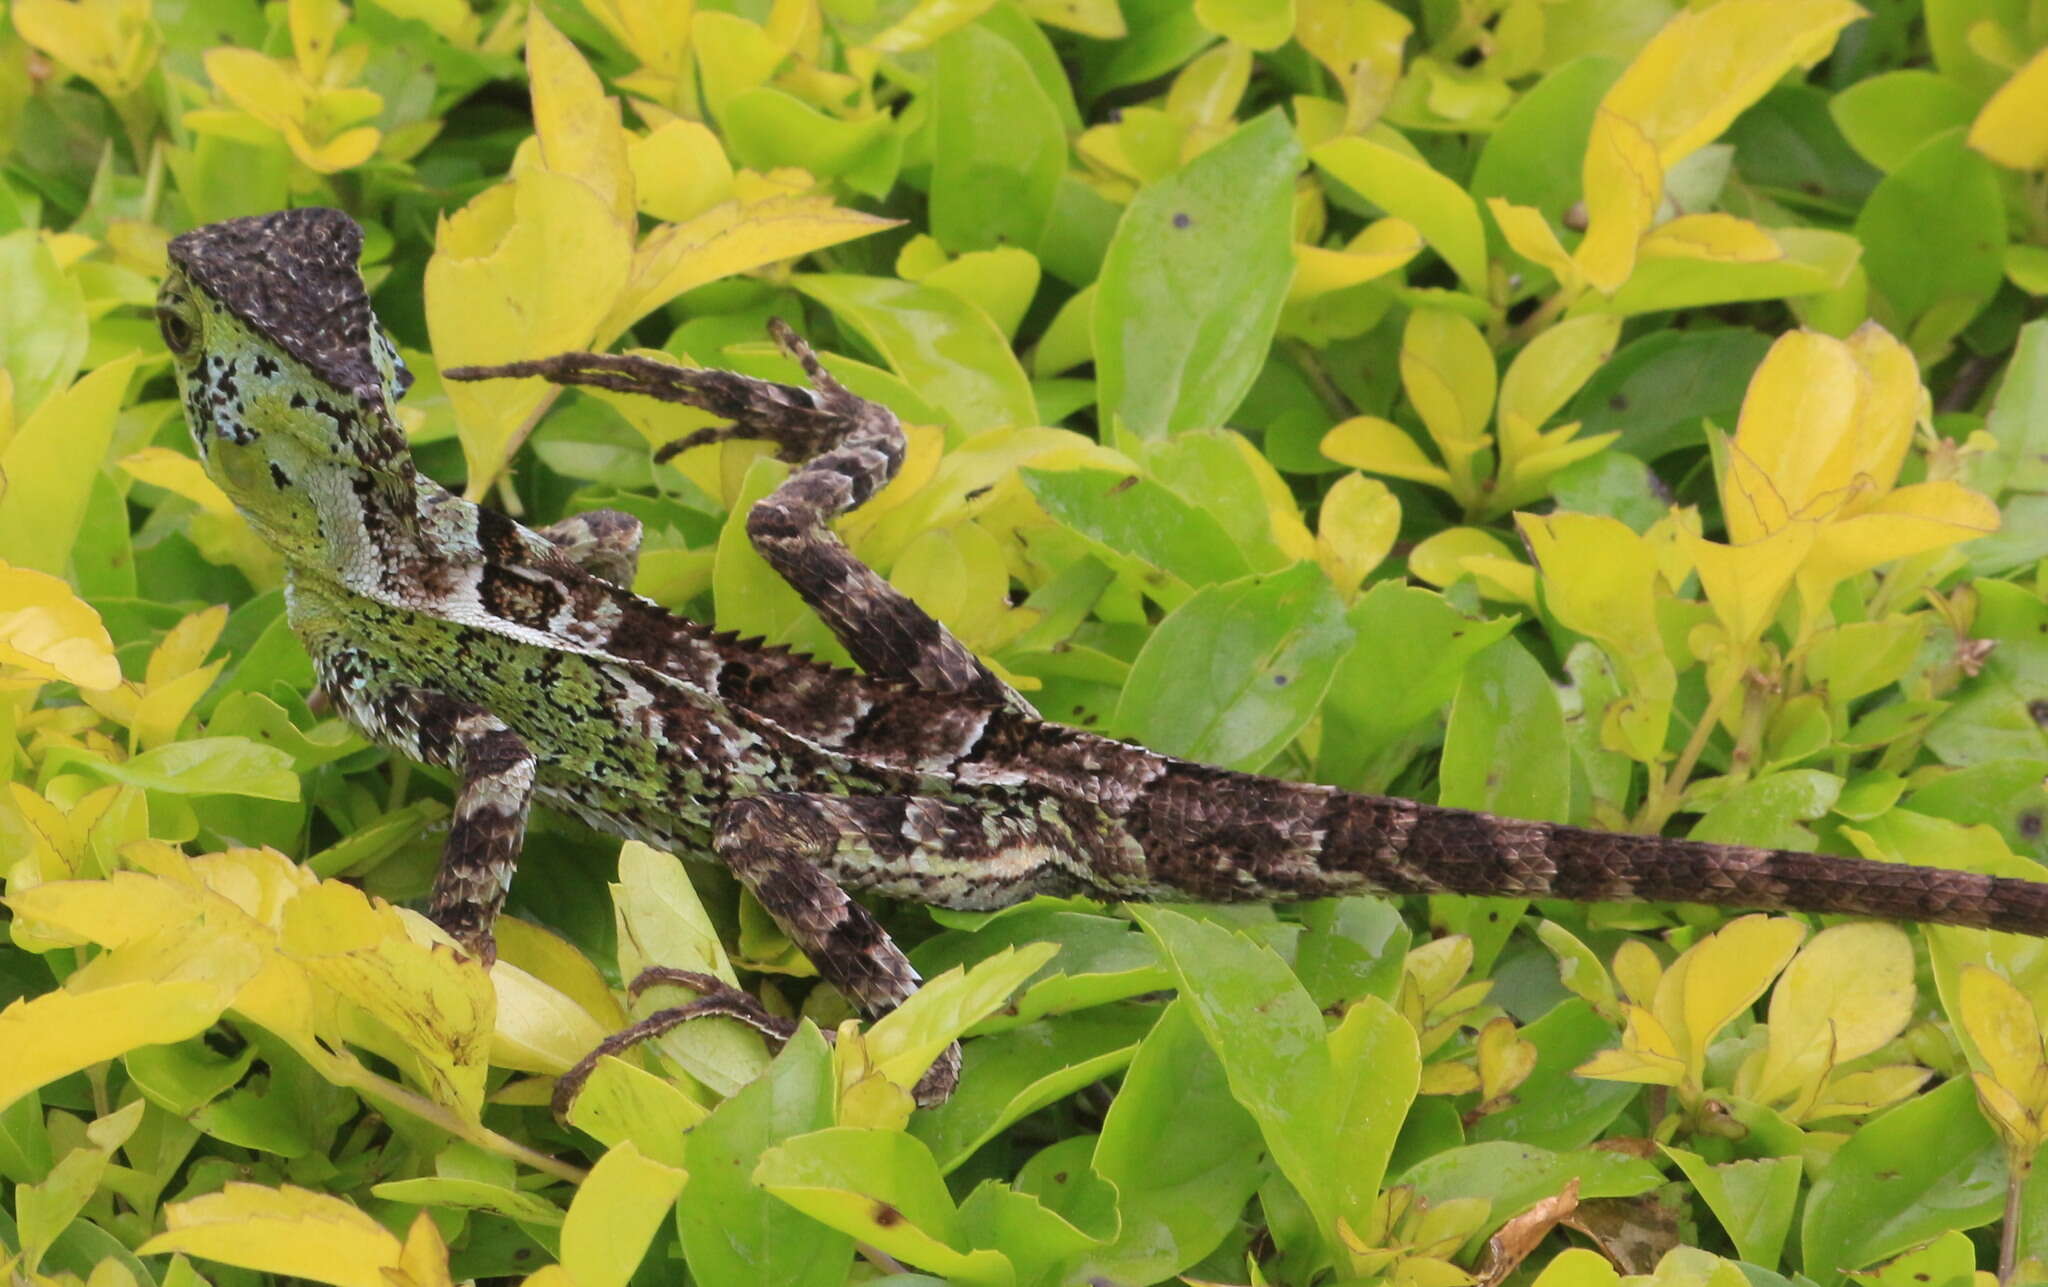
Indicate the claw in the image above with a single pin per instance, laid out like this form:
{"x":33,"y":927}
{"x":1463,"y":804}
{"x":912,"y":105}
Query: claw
{"x":717,"y":999}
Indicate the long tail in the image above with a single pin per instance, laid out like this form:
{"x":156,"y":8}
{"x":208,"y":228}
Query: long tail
{"x":1229,"y":837}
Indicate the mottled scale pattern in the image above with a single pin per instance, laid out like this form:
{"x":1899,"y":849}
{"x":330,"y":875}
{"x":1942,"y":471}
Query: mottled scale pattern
{"x":520,"y":661}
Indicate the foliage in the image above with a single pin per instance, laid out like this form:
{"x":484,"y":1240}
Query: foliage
{"x":1617,"y":413}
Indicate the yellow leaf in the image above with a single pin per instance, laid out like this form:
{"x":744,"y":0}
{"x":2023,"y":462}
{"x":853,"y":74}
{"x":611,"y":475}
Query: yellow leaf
{"x":1355,"y":529}
{"x":926,"y":22}
{"x":48,"y":631}
{"x":615,"y":1214}
{"x":1530,"y":235}
{"x":1443,"y":559}
{"x":1447,"y":1079}
{"x":163,"y":708}
{"x":2011,"y":128}
{"x":620,"y":1102}
{"x":1410,"y":189}
{"x":1600,"y":579}
{"x":1578,"y":1267}
{"x":1911,"y":520}
{"x":2007,"y":1113}
{"x":184,"y":646}
{"x":59,"y":450}
{"x":1378,"y":249}
{"x":540,"y":1029}
{"x":1720,"y":237}
{"x":1623,"y":182}
{"x":1360,"y":41}
{"x":1449,"y":373}
{"x":286,"y":1230}
{"x":1546,"y":373}
{"x":1502,"y":578}
{"x":735,"y":237}
{"x":1102,"y":19}
{"x":1698,"y":73}
{"x":112,"y":43}
{"x":2002,"y":1025}
{"x":556,"y":963}
{"x":1647,"y":1054}
{"x":1206,"y":92}
{"x":903,"y":1043}
{"x":423,"y":1261}
{"x":1847,"y":993}
{"x":429,"y":1007}
{"x":680,"y":171}
{"x":1719,"y":977}
{"x":1867,"y":1092}
{"x":577,"y":125}
{"x":176,"y":472}
{"x":1746,"y":583}
{"x":1382,"y":447}
{"x":1637,"y":971}
{"x":58,"y":1033}
{"x":526,"y":270}
{"x":1824,"y":422}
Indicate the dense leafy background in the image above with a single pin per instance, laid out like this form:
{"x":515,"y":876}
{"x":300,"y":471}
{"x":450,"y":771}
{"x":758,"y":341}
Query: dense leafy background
{"x":1582,"y":409}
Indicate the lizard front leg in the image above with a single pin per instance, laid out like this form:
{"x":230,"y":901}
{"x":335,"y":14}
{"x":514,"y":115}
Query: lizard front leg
{"x":603,"y":542}
{"x":494,"y":771}
{"x":846,"y":449}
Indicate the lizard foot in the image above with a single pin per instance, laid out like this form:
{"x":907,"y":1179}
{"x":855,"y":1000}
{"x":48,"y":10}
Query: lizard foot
{"x":716,"y":999}
{"x":719,"y":999}
{"x":801,"y":423}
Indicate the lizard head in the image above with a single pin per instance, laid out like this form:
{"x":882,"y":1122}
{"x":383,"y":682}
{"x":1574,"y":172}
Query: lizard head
{"x":288,"y":380}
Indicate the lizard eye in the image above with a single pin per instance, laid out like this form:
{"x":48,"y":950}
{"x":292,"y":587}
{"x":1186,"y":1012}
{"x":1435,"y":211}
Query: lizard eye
{"x":178,"y":330}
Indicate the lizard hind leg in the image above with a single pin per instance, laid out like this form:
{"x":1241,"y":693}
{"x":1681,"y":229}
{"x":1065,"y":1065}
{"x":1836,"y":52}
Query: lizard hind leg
{"x":793,"y":851}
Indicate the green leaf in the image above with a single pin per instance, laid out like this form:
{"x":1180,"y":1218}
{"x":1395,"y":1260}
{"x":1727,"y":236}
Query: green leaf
{"x":732,"y":1230}
{"x":1888,"y":116}
{"x":1013,"y":1073}
{"x":43,"y":328}
{"x":1299,"y":1087}
{"x":945,"y":347}
{"x":999,"y":147}
{"x":1505,"y":752}
{"x":1935,"y":283}
{"x":1769,"y":810}
{"x":1948,"y":1261}
{"x":1752,"y":1199}
{"x":765,"y":127}
{"x":1994,"y":716}
{"x":1192,"y":286}
{"x":1659,"y":391}
{"x":1928,"y":1166}
{"x":1419,"y":648}
{"x":1815,"y":260}
{"x":2019,"y":419}
{"x":883,"y":1188}
{"x":198,"y":766}
{"x":1268,"y":647}
{"x":1178,"y":1192}
{"x":1513,"y":1175}
{"x":1555,"y":1108}
{"x":1141,"y":528}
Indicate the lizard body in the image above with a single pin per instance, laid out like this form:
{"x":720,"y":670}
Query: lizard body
{"x":517,"y":659}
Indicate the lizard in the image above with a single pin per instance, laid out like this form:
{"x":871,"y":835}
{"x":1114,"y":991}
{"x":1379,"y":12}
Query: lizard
{"x":519,"y":660}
